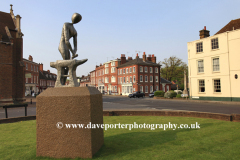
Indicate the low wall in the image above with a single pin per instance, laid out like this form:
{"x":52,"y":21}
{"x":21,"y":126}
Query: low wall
{"x":218,"y":116}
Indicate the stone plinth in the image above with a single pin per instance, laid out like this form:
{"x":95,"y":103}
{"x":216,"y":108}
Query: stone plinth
{"x":70,"y":105}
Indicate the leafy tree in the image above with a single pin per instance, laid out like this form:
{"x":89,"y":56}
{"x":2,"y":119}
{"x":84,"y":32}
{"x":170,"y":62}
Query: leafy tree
{"x":173,"y":69}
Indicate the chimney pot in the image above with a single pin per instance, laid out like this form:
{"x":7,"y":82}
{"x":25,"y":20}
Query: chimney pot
{"x":204,"y":27}
{"x":144,"y":57}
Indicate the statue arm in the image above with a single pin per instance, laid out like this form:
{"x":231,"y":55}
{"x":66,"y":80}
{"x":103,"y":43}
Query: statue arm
{"x":67,"y":37}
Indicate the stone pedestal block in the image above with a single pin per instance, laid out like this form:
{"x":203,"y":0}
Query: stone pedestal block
{"x":71,"y":105}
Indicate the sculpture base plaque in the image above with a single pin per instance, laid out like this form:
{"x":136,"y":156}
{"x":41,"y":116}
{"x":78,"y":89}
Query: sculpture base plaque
{"x":57,"y":107}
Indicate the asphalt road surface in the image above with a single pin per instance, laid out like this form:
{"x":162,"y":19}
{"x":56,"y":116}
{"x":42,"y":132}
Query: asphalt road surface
{"x":113,"y":103}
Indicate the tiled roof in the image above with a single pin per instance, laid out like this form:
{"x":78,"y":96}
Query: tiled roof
{"x":138,"y":61}
{"x":42,"y":75}
{"x":232,"y":25}
{"x":165,"y":81}
{"x":5,"y":20}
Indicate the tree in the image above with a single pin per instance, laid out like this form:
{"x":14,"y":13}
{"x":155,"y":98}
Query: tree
{"x":173,"y":69}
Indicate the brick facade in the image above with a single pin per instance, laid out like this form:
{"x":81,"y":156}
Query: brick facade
{"x":11,"y":59}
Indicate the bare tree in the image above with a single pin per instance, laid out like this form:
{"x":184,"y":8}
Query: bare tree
{"x":173,"y":68}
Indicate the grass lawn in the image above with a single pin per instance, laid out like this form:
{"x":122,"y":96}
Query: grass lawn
{"x":214,"y":140}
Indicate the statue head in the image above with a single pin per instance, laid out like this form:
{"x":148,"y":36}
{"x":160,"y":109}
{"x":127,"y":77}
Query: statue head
{"x":76,"y":18}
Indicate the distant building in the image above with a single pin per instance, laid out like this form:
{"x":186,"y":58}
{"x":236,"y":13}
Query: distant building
{"x":46,"y":78}
{"x":12,"y":84}
{"x":31,"y":76}
{"x":214,"y":68}
{"x":85,"y":81}
{"x":165,"y":85}
{"x":124,"y":76}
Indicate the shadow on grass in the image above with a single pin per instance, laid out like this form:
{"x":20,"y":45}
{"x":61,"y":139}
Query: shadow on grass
{"x":128,"y":142}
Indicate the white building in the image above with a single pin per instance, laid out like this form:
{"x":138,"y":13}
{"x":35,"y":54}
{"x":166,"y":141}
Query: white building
{"x":214,"y":64}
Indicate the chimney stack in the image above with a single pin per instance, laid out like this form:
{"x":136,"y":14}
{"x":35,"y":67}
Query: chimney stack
{"x":30,"y":58}
{"x":18,"y":26}
{"x":149,"y":57}
{"x":144,"y":57}
{"x":41,"y":67}
{"x":153,"y":59}
{"x":137,"y":56}
{"x":129,"y":58}
{"x":123,"y":59}
{"x":204,"y":33}
{"x":48,"y":71}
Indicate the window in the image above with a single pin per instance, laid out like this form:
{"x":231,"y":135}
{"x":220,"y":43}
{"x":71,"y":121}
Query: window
{"x":200,"y":66}
{"x":216,"y":64}
{"x":150,"y":69}
{"x":113,"y":70}
{"x":199,"y":47}
{"x":215,"y":43}
{"x":106,"y":65}
{"x":34,"y":68}
{"x":127,"y":79}
{"x":146,"y":69}
{"x":106,"y":70}
{"x":151,"y":78}
{"x":31,"y":78}
{"x":146,"y":89}
{"x":106,"y":80}
{"x":113,"y":79}
{"x":123,"y":71}
{"x":130,"y":70}
{"x":120,"y":71}
{"x":156,"y":88}
{"x":217,"y":85}
{"x":201,"y":85}
{"x":133,"y":69}
{"x":127,"y":70}
{"x":115,"y":88}
{"x":113,"y":64}
{"x":134,"y":79}
{"x":141,"y":88}
{"x":156,"y":70}
{"x":151,"y":89}
{"x":34,"y":79}
{"x":130,"y":79}
{"x":123,"y":79}
{"x":141,"y":78}
{"x":31,"y":68}
{"x":26,"y":66}
{"x":141,"y":69}
{"x":146,"y":78}
{"x":156,"y":78}
{"x":26,"y":80}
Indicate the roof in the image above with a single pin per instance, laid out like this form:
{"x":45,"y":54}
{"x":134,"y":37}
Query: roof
{"x":6,"y":20}
{"x":138,"y":61}
{"x":42,"y":75}
{"x":29,"y":61}
{"x":165,"y":81}
{"x":232,"y":25}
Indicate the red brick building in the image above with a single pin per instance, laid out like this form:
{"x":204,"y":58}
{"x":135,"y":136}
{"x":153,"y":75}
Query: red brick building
{"x":46,"y":78}
{"x":140,"y":74}
{"x":12,"y":83}
{"x":124,"y":76}
{"x":31,"y":76}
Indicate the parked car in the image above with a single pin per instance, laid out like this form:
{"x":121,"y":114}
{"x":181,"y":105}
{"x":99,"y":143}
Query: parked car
{"x":151,"y":94}
{"x":136,"y":94}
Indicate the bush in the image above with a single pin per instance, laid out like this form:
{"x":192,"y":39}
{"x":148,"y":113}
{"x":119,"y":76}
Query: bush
{"x":159,"y":93}
{"x":168,"y":94}
{"x":174,"y":94}
{"x":179,"y":96}
{"x":179,"y":92}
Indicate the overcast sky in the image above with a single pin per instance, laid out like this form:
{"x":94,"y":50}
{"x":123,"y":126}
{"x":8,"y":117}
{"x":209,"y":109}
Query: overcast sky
{"x":110,"y":28}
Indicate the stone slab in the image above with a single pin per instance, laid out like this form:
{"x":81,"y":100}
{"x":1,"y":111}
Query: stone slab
{"x":71,"y":105}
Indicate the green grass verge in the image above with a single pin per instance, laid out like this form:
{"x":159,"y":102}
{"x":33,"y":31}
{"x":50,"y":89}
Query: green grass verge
{"x":214,"y":140}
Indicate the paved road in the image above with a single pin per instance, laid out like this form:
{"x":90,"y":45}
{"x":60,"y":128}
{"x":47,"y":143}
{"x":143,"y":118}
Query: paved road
{"x":125,"y":103}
